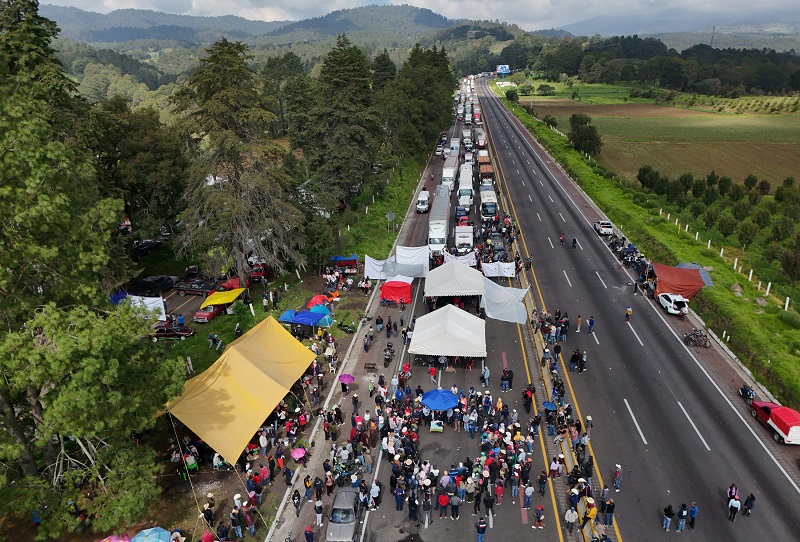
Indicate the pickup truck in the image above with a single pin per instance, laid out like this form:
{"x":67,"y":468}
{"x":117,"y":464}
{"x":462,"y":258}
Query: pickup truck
{"x":784,"y":422}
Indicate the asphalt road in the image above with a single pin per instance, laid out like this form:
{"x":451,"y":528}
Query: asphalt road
{"x":655,"y":410}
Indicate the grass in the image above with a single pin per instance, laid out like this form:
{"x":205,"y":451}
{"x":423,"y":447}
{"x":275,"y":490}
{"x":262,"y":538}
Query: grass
{"x":766,"y":342}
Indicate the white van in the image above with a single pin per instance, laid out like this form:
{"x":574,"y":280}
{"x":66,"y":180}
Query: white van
{"x":424,"y":202}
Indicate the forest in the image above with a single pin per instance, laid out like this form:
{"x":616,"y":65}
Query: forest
{"x":256,"y":155}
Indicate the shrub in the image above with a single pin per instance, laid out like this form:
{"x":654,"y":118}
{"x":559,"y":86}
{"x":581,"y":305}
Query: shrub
{"x":790,"y":318}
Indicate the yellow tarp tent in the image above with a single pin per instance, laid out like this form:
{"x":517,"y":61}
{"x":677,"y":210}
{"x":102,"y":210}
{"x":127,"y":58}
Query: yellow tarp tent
{"x":222,"y":298}
{"x":227,"y":403}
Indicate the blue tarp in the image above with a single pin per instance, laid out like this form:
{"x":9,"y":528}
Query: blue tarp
{"x":440,"y":399}
{"x":307,"y":318}
{"x":344,"y":258}
{"x":703,"y":273}
{"x":286,"y":317}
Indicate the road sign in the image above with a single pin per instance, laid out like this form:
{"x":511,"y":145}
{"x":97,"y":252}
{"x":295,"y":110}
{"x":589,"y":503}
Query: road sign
{"x":390,"y":216}
{"x":502,"y":69}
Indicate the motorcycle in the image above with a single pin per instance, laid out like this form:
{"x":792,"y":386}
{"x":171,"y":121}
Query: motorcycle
{"x":388,"y":354}
{"x":346,"y":328}
{"x":747,"y":393}
{"x":696,"y":338}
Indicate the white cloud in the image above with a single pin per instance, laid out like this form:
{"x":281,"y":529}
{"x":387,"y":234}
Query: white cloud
{"x":529,"y":14}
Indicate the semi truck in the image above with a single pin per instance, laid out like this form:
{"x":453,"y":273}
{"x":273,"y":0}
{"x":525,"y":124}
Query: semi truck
{"x":480,"y":139}
{"x":486,"y":174}
{"x":450,"y":172}
{"x":437,"y":221}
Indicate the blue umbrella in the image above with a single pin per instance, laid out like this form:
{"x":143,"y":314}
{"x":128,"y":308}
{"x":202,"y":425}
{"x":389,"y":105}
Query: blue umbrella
{"x":156,"y":534}
{"x":440,"y":399}
{"x":549,"y":405}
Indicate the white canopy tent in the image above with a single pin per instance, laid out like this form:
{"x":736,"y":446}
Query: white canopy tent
{"x":449,"y":331}
{"x":504,"y":303}
{"x":454,"y":278}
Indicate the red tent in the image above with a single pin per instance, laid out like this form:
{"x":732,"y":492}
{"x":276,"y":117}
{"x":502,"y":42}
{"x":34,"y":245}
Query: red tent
{"x":396,"y":290}
{"x":317,"y":300}
{"x":672,"y":280}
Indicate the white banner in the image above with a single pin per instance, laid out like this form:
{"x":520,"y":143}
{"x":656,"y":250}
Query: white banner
{"x":466,"y":259}
{"x":498,"y":269}
{"x":373,"y":268}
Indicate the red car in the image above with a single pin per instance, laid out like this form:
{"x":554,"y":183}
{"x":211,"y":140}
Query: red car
{"x":259,"y":273}
{"x":207,"y":313}
{"x":163,"y":331}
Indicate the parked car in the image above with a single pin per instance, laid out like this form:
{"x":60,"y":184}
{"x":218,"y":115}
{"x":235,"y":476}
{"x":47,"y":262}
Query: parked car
{"x":259,"y":273}
{"x":345,"y":516}
{"x":143,"y":246}
{"x":152,"y":286}
{"x":439,"y":150}
{"x":604,"y":227}
{"x":205,"y":314}
{"x":674,"y":304}
{"x":495,"y":239}
{"x":163,"y":331}
{"x":202,"y":287}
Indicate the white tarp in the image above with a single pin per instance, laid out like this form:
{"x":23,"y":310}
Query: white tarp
{"x":453,"y":278}
{"x":413,"y":256}
{"x":401,"y":278}
{"x":449,"y":331}
{"x":391,"y":268}
{"x":150,"y":304}
{"x":467,"y":259}
{"x":498,"y":269}
{"x":373,"y":268}
{"x":504,"y":303}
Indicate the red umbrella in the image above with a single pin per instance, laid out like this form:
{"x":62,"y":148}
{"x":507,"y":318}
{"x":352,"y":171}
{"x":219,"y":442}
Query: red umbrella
{"x":297,"y":453}
{"x":347,"y":378}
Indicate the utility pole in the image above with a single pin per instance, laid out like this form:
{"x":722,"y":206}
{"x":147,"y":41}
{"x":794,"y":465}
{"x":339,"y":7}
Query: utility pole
{"x":713,"y":31}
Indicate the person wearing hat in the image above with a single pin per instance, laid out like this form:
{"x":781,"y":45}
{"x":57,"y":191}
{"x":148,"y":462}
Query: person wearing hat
{"x":591,"y":513}
{"x":208,"y":515}
{"x":236,"y":521}
{"x":237,"y":500}
{"x":539,"y":518}
{"x":571,"y":517}
{"x":210,"y":501}
{"x":617,"y":477}
{"x":309,"y":534}
{"x":608,"y":519}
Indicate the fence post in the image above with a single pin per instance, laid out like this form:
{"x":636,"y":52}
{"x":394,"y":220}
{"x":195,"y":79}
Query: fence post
{"x":709,"y":244}
{"x":366,"y":210}
{"x":786,"y":305}
{"x":735,"y":262}
{"x":686,"y":229}
{"x":721,"y":252}
{"x":750,"y":276}
{"x":769,"y":285}
{"x":668,"y":216}
{"x":759,"y":286}
{"x":697,"y":236}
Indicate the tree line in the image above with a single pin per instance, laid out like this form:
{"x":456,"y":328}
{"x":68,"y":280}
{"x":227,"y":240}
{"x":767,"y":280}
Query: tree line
{"x":256,"y":161}
{"x":760,"y":221}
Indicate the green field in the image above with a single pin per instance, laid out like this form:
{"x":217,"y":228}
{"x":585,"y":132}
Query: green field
{"x":676,"y":141}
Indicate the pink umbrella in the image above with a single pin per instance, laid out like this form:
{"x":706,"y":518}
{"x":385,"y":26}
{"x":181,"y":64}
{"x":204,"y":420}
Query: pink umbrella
{"x":347,"y":378}
{"x":297,"y":453}
{"x":115,"y":538}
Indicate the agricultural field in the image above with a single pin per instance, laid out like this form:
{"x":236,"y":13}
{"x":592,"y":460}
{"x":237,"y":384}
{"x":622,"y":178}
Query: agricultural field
{"x":675,"y":140}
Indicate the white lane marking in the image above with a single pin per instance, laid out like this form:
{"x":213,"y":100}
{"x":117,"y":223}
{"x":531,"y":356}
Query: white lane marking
{"x":594,"y":334}
{"x":537,"y":216}
{"x":530,"y":198}
{"x":635,"y":422}
{"x":513,"y":163}
{"x":551,"y":242}
{"x":635,"y":334}
{"x":534,"y":172}
{"x":517,"y":172}
{"x":551,"y":198}
{"x":527,"y":161}
{"x":601,"y":280}
{"x":694,"y":426}
{"x":565,"y":275}
{"x":562,"y":218}
{"x":523,"y":182}
{"x":580,"y":245}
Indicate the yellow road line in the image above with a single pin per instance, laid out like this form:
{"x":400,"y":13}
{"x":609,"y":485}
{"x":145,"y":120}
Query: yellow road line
{"x":521,"y":238}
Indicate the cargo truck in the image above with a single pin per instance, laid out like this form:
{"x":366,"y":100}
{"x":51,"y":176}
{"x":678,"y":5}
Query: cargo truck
{"x":480,"y":139}
{"x":437,"y":221}
{"x":465,"y":192}
{"x":450,"y":172}
{"x":783,"y":421}
{"x":464,"y":239}
{"x":488,"y":205}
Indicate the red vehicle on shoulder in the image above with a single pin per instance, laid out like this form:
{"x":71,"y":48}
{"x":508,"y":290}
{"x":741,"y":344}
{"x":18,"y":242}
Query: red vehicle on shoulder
{"x":259,"y":273}
{"x":164,"y":331}
{"x":205,"y":314}
{"x":784,"y":422}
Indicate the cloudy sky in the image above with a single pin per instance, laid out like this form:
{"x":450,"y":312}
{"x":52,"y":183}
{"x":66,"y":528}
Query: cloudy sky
{"x":529,"y":14}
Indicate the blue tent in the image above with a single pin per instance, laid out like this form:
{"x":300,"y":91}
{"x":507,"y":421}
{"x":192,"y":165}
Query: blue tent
{"x":440,"y":399}
{"x":286,"y":317}
{"x":307,"y":318}
{"x":320,"y":309}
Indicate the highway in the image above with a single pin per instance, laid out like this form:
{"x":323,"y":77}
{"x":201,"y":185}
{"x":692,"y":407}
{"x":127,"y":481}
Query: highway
{"x":656,"y":411}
